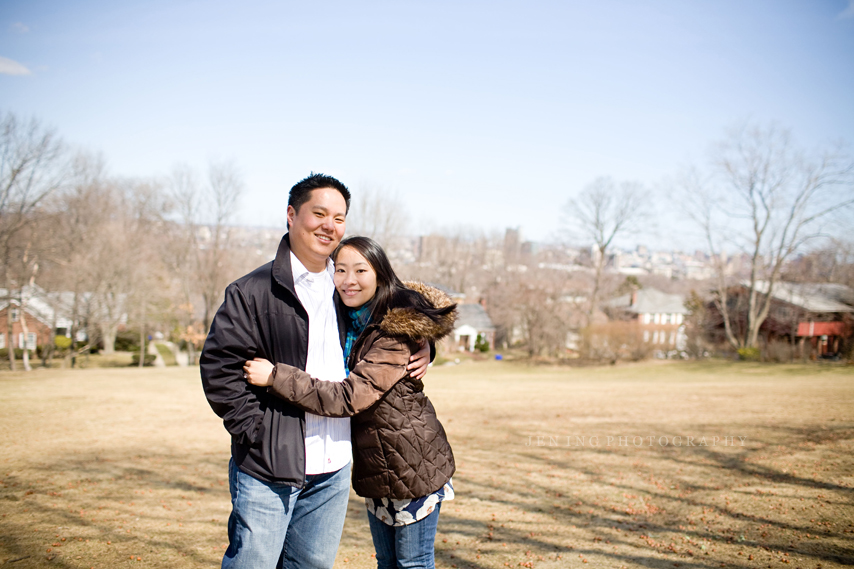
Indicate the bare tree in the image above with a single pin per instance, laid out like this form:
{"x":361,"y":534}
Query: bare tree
{"x":30,"y":171}
{"x":454,"y":257}
{"x":144,"y":225}
{"x":126,"y":244}
{"x":183,"y":248}
{"x":378,"y":214}
{"x":79,"y":215}
{"x":226,"y":187}
{"x":766,"y":200}
{"x":602,"y":212}
{"x":203,"y":258}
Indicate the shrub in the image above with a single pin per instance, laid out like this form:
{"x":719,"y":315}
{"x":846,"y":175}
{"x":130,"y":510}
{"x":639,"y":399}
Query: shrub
{"x":748,"y":354}
{"x":127,"y":341}
{"x":480,"y":344}
{"x":62,"y":342}
{"x":19,"y":353}
{"x":149,"y":359}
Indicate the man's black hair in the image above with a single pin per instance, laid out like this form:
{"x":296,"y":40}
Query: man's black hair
{"x":301,"y":192}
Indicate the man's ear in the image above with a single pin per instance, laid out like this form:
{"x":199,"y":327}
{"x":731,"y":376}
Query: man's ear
{"x":291,"y":214}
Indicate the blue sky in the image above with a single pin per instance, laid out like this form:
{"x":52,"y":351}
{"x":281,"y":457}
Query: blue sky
{"x":487,"y":114}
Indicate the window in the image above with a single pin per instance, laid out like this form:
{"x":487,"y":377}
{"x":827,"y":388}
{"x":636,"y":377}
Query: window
{"x":16,"y":315}
{"x":657,"y":318}
{"x":2,"y":341}
{"x":679,"y":319}
{"x":31,"y":340}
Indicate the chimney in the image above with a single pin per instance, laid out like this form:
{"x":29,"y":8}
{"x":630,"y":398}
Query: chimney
{"x":634,"y":299}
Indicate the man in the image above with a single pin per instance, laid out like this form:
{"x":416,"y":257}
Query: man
{"x":289,"y":470}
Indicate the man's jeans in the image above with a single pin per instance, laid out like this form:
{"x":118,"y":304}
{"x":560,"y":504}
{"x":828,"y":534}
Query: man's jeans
{"x":410,"y":546}
{"x":275,"y":525}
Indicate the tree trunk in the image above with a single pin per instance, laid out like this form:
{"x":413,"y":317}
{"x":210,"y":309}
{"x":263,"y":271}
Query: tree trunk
{"x":191,"y":353}
{"x":73,"y":347}
{"x":47,"y":351}
{"x":597,"y":284}
{"x":108,"y":336}
{"x":25,"y":332}
{"x":10,"y":347}
{"x":24,"y":328}
{"x":142,"y":338}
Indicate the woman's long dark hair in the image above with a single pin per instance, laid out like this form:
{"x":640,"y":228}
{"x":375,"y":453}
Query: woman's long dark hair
{"x":391,"y":292}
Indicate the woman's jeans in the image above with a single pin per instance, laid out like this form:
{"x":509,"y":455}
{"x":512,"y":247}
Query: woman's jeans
{"x":405,"y":547}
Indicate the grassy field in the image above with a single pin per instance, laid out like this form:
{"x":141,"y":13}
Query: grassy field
{"x":648,"y":465}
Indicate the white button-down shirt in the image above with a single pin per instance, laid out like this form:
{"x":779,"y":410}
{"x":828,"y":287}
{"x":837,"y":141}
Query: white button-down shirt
{"x":327,"y":439}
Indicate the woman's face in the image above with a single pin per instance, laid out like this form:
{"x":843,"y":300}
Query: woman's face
{"x":355,"y":279}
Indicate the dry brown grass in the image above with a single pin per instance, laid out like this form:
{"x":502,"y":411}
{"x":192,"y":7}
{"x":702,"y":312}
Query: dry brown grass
{"x":127,"y":467}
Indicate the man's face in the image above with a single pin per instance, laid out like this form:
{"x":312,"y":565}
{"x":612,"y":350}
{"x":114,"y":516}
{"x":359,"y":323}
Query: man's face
{"x":317,"y":228}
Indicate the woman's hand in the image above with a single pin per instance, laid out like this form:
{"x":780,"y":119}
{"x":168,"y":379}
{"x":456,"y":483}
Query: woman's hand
{"x":258,"y":372}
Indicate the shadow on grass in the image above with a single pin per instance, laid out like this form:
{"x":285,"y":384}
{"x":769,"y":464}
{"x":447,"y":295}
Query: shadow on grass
{"x":114,"y":508}
{"x":661,"y":500}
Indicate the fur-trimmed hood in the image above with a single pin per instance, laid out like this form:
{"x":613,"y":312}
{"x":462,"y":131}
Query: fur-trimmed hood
{"x":410,"y":323}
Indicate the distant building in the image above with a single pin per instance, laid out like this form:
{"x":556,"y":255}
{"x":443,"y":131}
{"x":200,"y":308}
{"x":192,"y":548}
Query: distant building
{"x":38,"y":315}
{"x":819,"y":317}
{"x":512,"y":245}
{"x":660,"y":315}
{"x":44,"y":311}
{"x":473,"y":321}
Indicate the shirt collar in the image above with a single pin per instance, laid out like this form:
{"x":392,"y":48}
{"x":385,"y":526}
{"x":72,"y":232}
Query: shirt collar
{"x":301,"y":273}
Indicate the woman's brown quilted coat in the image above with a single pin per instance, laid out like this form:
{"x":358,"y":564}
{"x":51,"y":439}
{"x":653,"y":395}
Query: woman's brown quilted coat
{"x":400,"y":450}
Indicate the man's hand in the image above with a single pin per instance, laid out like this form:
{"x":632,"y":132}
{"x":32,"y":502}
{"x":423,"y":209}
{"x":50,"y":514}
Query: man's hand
{"x":418,"y":361}
{"x":258,"y":372}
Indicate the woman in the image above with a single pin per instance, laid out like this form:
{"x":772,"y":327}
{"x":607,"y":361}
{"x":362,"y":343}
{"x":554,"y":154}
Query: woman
{"x":402,"y":462}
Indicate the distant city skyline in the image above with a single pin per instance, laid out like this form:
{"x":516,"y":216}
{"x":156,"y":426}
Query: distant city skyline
{"x":490,"y":115}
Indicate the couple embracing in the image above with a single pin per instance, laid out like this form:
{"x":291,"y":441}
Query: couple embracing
{"x":323,"y":342}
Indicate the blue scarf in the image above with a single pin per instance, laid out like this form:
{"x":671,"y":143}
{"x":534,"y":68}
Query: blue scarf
{"x":357,"y":320}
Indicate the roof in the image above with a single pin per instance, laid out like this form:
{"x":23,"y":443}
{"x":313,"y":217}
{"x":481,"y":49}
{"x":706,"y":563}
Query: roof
{"x":36,"y":304}
{"x":453,"y":294}
{"x":51,"y":308}
{"x":652,"y":301}
{"x":475,"y":316}
{"x":812,"y":297}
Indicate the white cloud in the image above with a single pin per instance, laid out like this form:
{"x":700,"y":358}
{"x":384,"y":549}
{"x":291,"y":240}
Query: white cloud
{"x":847,"y":12}
{"x":11,"y":67}
{"x":20,"y":27}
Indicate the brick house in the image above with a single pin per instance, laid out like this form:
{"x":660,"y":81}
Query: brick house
{"x":817,"y":317}
{"x":37,"y":327}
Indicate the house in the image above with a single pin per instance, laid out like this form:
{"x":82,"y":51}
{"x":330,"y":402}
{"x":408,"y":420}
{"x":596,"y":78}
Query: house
{"x":472,"y":321}
{"x":659,"y":314}
{"x":43,"y":312}
{"x":37,"y":317}
{"x":819,"y":317}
